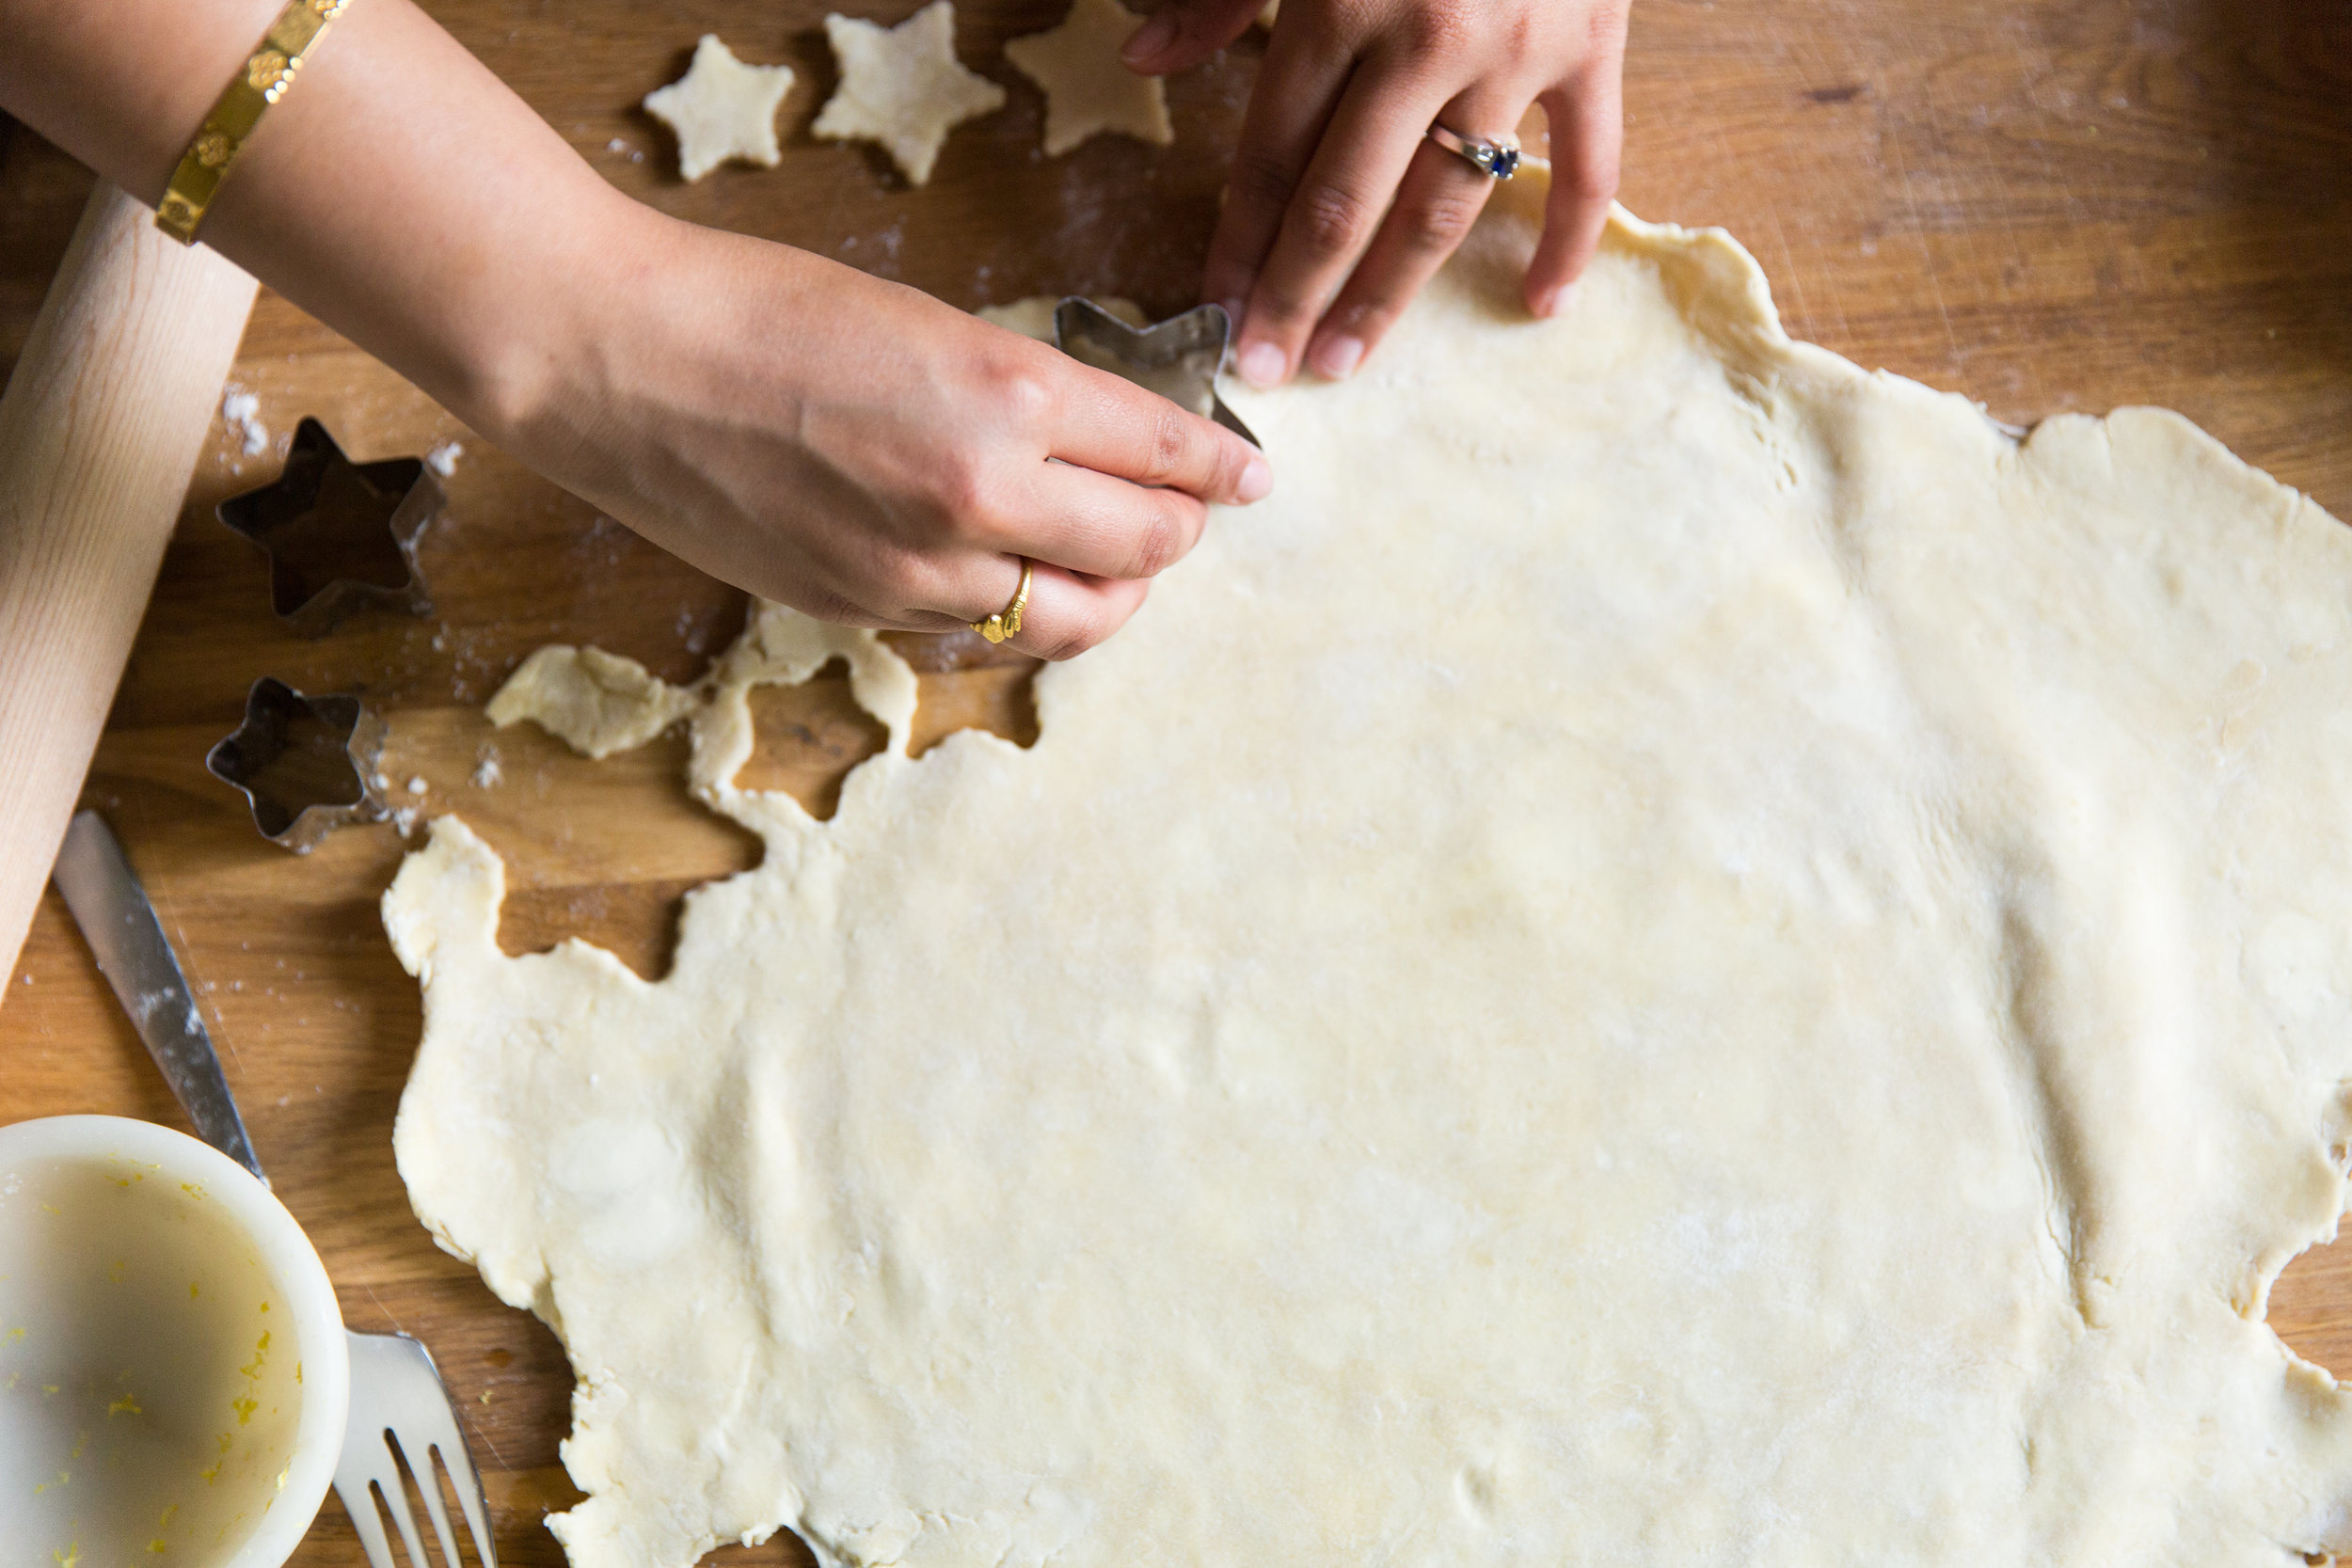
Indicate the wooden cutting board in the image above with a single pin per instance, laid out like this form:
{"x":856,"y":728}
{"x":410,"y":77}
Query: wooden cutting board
{"x":2061,"y":204}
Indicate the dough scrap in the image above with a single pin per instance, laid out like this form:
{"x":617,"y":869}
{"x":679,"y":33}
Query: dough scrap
{"x":721,"y":108}
{"x":904,"y":86}
{"x":595,"y":701}
{"x":1676,"y":954}
{"x":1087,"y":89}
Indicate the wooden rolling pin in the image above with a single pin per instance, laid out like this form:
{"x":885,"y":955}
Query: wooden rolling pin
{"x":99,"y":431}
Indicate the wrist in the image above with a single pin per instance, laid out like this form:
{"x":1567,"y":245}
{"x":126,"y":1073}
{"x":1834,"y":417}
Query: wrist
{"x":654,"y":321}
{"x":546,"y":339}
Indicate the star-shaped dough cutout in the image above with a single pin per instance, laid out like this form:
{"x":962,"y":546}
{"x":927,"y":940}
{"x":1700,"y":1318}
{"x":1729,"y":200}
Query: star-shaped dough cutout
{"x":1086,"y":88}
{"x":904,"y":86}
{"x":720,"y":109}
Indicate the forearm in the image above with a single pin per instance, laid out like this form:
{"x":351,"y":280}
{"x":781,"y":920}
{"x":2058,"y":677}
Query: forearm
{"x":122,"y":84}
{"x":399,"y":192}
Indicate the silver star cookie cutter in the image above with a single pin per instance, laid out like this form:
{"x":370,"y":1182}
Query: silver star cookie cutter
{"x":340,"y":535}
{"x":306,"y":765}
{"x":1179,"y":358}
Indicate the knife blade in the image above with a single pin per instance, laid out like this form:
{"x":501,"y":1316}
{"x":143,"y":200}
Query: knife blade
{"x":120,"y":924}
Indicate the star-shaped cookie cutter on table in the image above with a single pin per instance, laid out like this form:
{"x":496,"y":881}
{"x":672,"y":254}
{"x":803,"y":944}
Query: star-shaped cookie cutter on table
{"x":306,"y":765}
{"x":340,"y":535}
{"x":1179,"y":358}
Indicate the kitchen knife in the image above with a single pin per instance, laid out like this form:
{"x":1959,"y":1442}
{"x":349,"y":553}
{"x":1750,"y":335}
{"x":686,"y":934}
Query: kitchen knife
{"x":115,"y":917}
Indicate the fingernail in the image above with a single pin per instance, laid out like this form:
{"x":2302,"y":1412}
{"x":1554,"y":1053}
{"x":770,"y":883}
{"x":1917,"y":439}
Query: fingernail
{"x":1257,"y":482}
{"x":1261,"y":365}
{"x":1150,"y":38}
{"x":1556,"y":301}
{"x":1338,"y":358}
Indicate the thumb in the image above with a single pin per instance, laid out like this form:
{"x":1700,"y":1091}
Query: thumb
{"x":1183,"y":33}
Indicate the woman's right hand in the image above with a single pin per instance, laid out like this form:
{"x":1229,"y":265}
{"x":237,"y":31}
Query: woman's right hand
{"x":859,"y":450}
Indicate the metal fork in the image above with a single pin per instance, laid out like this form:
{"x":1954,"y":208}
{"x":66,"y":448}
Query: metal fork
{"x":401,"y":1412}
{"x":399,"y":1407}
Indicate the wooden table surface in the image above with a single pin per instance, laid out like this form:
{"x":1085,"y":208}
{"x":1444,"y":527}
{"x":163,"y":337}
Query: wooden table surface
{"x":2045,"y":204}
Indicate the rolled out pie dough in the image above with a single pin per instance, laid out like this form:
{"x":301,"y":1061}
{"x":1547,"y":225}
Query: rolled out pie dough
{"x":1678,"y":954}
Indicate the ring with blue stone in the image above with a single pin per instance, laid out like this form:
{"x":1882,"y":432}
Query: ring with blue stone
{"x":1499,"y":156}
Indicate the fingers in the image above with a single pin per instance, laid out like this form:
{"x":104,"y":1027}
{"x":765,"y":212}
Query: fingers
{"x":1437,"y":202}
{"x":1101,"y":483}
{"x":1128,"y":498}
{"x":1066,"y":612}
{"x":1587,"y":133}
{"x":1115,"y":427}
{"x":1299,"y":86}
{"x":1097,"y":526}
{"x":1186,"y":32}
{"x":1333,"y":218}
{"x":1339,"y":212}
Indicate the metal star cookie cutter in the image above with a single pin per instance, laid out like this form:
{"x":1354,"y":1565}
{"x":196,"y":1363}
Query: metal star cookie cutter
{"x":306,"y":765}
{"x":1179,"y":358}
{"x":340,"y":535}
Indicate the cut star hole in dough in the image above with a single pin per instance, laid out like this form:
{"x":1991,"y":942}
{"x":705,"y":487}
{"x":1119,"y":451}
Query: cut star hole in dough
{"x":1087,"y":89}
{"x":721,"y":108}
{"x":904,"y":86}
{"x":1676,"y":954}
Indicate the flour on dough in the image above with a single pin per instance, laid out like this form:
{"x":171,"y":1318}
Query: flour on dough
{"x":1676,"y":954}
{"x":720,"y":109}
{"x":904,"y":86}
{"x":1087,"y":89}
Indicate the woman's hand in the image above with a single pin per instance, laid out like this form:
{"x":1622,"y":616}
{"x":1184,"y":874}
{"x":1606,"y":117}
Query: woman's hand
{"x":847,"y":446}
{"x":1341,"y":208}
{"x":859,"y":450}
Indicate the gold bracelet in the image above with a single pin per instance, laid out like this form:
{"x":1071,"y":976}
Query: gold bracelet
{"x":266,"y":74}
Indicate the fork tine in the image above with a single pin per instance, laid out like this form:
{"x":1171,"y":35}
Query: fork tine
{"x":396,"y":1501}
{"x":470,"y":1501}
{"x":435,"y":1421}
{"x":395,"y":1498}
{"x":361,"y":1505}
{"x":420,"y":1458}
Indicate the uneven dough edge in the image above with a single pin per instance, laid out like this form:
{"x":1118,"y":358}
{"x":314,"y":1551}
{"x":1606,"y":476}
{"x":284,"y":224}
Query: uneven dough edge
{"x":441,"y":910}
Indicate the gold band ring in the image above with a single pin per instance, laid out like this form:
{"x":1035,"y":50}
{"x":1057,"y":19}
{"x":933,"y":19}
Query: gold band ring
{"x":1006,"y":622}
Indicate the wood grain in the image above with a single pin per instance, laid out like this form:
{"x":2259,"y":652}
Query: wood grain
{"x":2046,"y":204}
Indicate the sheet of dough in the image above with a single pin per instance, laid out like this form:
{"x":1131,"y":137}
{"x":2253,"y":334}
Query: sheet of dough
{"x":1678,"y":954}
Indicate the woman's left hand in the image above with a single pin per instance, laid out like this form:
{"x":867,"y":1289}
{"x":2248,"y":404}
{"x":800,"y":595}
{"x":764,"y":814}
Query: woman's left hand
{"x":1341,"y":208}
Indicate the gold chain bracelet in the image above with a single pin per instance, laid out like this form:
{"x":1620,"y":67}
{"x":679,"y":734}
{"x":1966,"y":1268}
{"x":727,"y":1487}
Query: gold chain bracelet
{"x":262,"y":80}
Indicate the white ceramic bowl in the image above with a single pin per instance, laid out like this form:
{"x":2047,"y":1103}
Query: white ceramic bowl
{"x":174,"y":1376}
